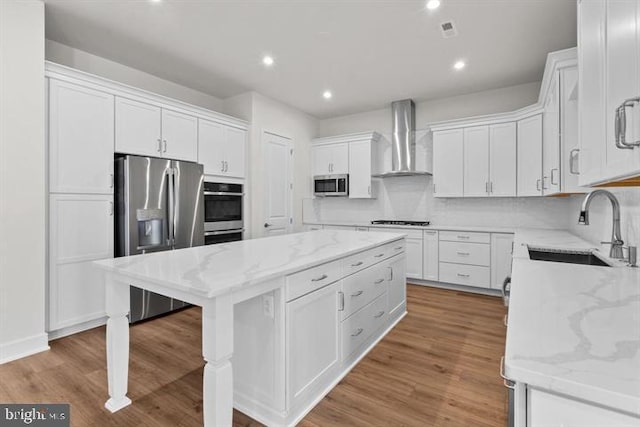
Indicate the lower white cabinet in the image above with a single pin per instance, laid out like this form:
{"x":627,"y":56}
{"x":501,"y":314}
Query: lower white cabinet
{"x":397,"y":286}
{"x":501,"y":258}
{"x":551,"y":410}
{"x":413,"y":249}
{"x":81,"y":230}
{"x":430,"y":255}
{"x":312,"y":340}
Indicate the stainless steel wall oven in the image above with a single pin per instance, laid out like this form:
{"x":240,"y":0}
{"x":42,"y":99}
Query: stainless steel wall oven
{"x":223,"y":212}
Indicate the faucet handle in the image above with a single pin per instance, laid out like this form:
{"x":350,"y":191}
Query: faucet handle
{"x":633,"y":256}
{"x":615,"y":242}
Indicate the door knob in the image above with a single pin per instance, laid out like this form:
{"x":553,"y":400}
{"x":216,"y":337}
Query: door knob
{"x":267,"y":225}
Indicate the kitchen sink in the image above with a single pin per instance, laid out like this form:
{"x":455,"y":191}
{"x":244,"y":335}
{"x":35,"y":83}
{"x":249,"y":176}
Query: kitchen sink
{"x":567,"y":256}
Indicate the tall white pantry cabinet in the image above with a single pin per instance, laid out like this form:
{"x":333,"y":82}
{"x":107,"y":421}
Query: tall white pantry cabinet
{"x":89,"y":120}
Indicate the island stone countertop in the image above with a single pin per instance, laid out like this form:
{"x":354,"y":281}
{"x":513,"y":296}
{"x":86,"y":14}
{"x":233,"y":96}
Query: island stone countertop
{"x":574,"y":329}
{"x":218,"y":269}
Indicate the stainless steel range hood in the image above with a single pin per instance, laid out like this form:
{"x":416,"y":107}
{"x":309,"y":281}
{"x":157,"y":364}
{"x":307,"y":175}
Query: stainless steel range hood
{"x":403,"y":141}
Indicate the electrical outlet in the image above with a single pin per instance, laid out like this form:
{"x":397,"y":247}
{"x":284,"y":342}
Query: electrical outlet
{"x":267,"y":306}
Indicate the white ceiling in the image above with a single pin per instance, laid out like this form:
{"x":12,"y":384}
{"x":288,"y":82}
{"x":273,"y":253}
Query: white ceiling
{"x":367,"y":52}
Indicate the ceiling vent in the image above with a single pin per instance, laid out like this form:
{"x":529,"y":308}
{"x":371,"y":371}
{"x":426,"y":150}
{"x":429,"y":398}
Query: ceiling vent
{"x":448,"y":29}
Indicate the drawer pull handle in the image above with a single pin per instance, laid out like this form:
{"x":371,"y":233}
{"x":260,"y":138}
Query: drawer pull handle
{"x":379,"y":315}
{"x":317,"y":279}
{"x":379,"y":255}
{"x":358,"y":332}
{"x":357,"y":264}
{"x":506,"y":381}
{"x":397,"y":248}
{"x":463,"y":275}
{"x":463,"y":253}
{"x":377,"y":282}
{"x":464,"y":237}
{"x":357,"y":294}
{"x":504,"y":320}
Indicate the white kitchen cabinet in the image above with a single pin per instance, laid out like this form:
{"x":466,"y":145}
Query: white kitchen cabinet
{"x":569,"y":150}
{"x":502,"y":160}
{"x":397,"y":286}
{"x":609,"y":55}
{"x":221,"y":149}
{"x":81,"y":230}
{"x":430,"y":255}
{"x":551,"y":140}
{"x":362,"y":161}
{"x":330,"y":159}
{"x":529,"y":156}
{"x":448,"y":175}
{"x":80,"y":139}
{"x":476,"y":161}
{"x":312,"y":342}
{"x":591,"y":91}
{"x":149,"y":130}
{"x":138,"y":128}
{"x":501,"y":258}
{"x":413,"y":249}
{"x":179,"y":136}
{"x":551,"y":410}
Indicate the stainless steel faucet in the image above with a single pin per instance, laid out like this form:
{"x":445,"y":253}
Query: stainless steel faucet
{"x":616,"y":240}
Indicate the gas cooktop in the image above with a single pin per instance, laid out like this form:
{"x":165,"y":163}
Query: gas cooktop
{"x":396,"y":222}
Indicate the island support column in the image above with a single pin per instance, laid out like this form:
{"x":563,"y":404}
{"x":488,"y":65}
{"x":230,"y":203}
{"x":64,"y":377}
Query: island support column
{"x":117,"y":307}
{"x":217,"y":349}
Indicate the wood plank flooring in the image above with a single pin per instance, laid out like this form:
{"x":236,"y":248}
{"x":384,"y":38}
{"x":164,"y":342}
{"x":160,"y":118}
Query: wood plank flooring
{"x":438,"y":367}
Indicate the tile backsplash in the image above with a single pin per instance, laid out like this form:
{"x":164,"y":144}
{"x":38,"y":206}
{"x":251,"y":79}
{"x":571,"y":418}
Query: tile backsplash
{"x":411,"y":198}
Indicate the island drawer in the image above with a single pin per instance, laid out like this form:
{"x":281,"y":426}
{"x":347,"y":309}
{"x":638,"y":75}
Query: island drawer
{"x":364,"y":259}
{"x":303,"y":282}
{"x":465,"y":236}
{"x":361,"y":326}
{"x":469,"y":275}
{"x":362,"y":288}
{"x":465,"y":253}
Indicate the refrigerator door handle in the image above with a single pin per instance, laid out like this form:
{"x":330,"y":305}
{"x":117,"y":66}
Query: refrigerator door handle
{"x":171,"y":205}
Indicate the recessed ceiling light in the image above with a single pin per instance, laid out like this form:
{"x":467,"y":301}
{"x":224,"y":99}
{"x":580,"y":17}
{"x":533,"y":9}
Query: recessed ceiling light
{"x":268,"y":60}
{"x":155,"y":1}
{"x":433,"y":4}
{"x":459,"y":65}
{"x":327,"y":94}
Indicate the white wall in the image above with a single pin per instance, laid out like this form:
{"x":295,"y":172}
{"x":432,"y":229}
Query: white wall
{"x":81,"y":60}
{"x":600,"y":218}
{"x":427,"y":112}
{"x":22,"y":179}
{"x":269,"y":115}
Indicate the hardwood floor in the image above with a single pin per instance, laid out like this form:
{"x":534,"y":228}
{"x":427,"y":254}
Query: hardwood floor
{"x":438,"y":367}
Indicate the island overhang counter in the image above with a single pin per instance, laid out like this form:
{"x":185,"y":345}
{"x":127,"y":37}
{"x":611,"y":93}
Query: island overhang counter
{"x":318,"y":301}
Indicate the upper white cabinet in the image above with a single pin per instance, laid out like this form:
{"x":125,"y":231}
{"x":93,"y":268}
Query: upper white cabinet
{"x":179,"y":136}
{"x":148,"y":130}
{"x":551,"y":140}
{"x":362,"y":160}
{"x":138,"y":128}
{"x":221,"y":149}
{"x":609,"y":55}
{"x":502,"y":160}
{"x":330,"y":159}
{"x":80,"y":139}
{"x":476,"y":161}
{"x":353,"y":154}
{"x":529,"y":179}
{"x":448,"y":163}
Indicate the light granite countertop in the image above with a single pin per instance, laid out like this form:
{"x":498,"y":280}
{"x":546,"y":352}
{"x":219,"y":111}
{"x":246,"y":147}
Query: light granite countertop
{"x":574,"y":329}
{"x":439,"y":227}
{"x":214,"y":270}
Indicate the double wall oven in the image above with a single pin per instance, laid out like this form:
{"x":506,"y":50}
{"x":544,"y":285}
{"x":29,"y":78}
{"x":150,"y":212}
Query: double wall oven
{"x":223,"y":212}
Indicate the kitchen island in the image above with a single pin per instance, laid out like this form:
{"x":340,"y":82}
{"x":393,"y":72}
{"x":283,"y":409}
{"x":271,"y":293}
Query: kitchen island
{"x":300,"y":310}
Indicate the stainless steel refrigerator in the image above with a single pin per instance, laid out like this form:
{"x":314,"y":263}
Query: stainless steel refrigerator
{"x":159,"y":206}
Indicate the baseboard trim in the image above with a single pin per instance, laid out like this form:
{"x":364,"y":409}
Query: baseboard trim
{"x":452,"y":287}
{"x":80,"y":327}
{"x":23,"y":347}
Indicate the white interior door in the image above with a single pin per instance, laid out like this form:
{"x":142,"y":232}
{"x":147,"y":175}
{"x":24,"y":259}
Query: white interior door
{"x":278,"y":181}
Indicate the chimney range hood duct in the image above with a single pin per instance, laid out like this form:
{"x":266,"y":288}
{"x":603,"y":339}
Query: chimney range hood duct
{"x":403,"y":141}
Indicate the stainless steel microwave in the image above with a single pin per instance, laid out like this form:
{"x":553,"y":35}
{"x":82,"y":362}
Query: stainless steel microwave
{"x":331,"y":185}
